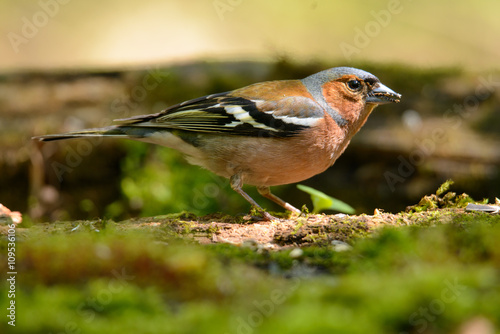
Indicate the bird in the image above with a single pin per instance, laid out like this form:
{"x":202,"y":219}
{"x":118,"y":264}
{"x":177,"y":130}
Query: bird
{"x":265,"y":134}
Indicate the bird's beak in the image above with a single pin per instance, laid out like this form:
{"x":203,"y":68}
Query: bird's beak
{"x":381,"y":94}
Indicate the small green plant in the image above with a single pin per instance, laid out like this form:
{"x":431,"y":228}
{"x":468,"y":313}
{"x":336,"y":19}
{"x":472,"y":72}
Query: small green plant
{"x":444,"y":187}
{"x":443,"y":198}
{"x":322,"y":201}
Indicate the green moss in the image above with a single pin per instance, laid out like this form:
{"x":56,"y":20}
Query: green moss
{"x":443,"y":199}
{"x":118,"y":281}
{"x":428,"y":270}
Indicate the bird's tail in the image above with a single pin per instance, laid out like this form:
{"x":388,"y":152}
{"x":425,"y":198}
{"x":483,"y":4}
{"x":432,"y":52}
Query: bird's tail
{"x":110,"y":131}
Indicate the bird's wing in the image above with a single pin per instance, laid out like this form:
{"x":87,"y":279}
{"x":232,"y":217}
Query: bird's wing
{"x":244,"y":112}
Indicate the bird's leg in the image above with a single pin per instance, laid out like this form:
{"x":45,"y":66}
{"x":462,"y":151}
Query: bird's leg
{"x":266,"y":192}
{"x":236,"y":184}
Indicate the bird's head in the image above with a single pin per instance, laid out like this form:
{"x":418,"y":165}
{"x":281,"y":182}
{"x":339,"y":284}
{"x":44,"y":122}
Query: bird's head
{"x":349,"y":94}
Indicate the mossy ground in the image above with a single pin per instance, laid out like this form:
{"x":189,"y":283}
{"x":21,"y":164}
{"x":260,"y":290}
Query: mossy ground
{"x":422,"y":271}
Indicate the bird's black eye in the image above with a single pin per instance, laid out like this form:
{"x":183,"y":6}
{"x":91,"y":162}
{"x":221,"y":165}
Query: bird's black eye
{"x":354,"y":85}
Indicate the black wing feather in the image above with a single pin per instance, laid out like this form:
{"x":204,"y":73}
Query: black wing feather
{"x":210,"y":114}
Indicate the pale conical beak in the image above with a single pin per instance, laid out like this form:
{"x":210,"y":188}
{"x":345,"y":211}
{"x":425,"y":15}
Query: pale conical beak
{"x":381,"y":94}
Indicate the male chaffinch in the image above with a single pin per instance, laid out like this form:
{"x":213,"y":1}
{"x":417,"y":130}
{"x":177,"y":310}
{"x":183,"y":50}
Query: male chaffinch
{"x":265,"y":134}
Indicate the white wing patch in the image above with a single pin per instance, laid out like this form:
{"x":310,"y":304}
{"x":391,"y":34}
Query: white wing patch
{"x":309,"y":121}
{"x":243,"y":116}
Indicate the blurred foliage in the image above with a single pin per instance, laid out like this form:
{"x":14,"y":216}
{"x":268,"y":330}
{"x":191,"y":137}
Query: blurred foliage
{"x":489,"y":123}
{"x":158,"y":180}
{"x":106,"y":278}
